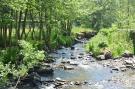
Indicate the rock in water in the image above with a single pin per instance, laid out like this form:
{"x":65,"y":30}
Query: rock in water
{"x":85,"y":63}
{"x":77,"y":83}
{"x":129,"y":62}
{"x":72,"y":48}
{"x":44,"y":70}
{"x":68,"y":68}
{"x":101,"y":57}
{"x":72,"y":57}
{"x":74,"y":63}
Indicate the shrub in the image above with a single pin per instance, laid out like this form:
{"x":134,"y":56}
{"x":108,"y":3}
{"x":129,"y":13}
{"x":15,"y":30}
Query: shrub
{"x":25,"y":55}
{"x":9,"y":55}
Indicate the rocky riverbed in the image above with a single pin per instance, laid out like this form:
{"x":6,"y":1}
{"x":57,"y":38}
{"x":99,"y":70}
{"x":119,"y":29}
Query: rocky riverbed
{"x":73,"y":68}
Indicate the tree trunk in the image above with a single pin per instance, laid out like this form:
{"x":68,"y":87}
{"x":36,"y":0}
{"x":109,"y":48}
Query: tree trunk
{"x":19,"y":26}
{"x":24,"y":24}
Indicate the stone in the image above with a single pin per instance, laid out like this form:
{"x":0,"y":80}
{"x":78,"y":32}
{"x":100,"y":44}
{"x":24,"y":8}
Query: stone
{"x":63,"y":53}
{"x":72,"y":57}
{"x":129,"y":66}
{"x":81,"y":53}
{"x":60,"y":80}
{"x":85,"y":82}
{"x":129,"y":62}
{"x":65,"y":62}
{"x":85,"y":63}
{"x":44,"y":70}
{"x":74,"y":63}
{"x":72,"y":47}
{"x":60,"y":66}
{"x":90,"y":54}
{"x":71,"y":83}
{"x":115,"y":68}
{"x":101,"y":57}
{"x":32,"y":79}
{"x":68,"y":68}
{"x":127,"y":54}
{"x":45,"y":65}
{"x":108,"y":55}
{"x":123,"y":69}
{"x":49,"y":60}
{"x":80,"y":56}
{"x":77,"y":83}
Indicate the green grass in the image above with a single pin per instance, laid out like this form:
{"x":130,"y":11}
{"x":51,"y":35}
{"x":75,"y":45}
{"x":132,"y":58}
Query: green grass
{"x":58,"y":39}
{"x":80,"y":29}
{"x":111,"y":39}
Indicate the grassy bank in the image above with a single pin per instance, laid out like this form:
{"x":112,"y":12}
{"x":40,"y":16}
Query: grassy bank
{"x":111,"y":39}
{"x":76,"y":30}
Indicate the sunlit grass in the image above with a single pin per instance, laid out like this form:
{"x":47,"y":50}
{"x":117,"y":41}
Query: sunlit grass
{"x":116,"y":41}
{"x":80,"y":29}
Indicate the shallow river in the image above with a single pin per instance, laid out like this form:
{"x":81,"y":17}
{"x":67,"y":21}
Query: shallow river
{"x":90,"y":70}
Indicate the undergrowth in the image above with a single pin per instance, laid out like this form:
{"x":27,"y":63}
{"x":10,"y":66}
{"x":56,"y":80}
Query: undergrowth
{"x":16,"y":61}
{"x":111,"y":39}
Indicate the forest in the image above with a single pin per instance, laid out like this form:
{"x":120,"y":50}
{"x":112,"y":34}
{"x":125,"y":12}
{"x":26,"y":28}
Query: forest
{"x":67,"y":44}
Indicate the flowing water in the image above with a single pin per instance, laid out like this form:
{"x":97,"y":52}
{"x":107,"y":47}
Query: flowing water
{"x":88,"y":70}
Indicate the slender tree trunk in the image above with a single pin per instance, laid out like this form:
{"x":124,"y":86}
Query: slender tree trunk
{"x":41,"y":25}
{"x":33,"y":25}
{"x":10,"y":33}
{"x":69,"y":27}
{"x":24,"y":24}
{"x":19,"y":26}
{"x":10,"y":30}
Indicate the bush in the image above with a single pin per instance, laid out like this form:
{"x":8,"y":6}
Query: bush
{"x":17,"y":61}
{"x":9,"y":55}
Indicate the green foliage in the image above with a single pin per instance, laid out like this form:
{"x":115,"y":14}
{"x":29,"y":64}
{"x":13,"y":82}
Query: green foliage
{"x":80,"y":29}
{"x":58,"y":39}
{"x":9,"y":55}
{"x":5,"y":70}
{"x":116,"y":41}
{"x":18,"y":60}
{"x":31,"y":56}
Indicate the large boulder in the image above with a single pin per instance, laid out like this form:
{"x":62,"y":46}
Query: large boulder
{"x":108,"y":55}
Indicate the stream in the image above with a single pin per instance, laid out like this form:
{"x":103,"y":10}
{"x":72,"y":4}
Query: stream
{"x":86,"y":70}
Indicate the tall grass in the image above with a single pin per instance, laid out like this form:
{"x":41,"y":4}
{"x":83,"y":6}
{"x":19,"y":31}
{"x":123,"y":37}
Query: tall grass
{"x":80,"y":29}
{"x":111,"y":39}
